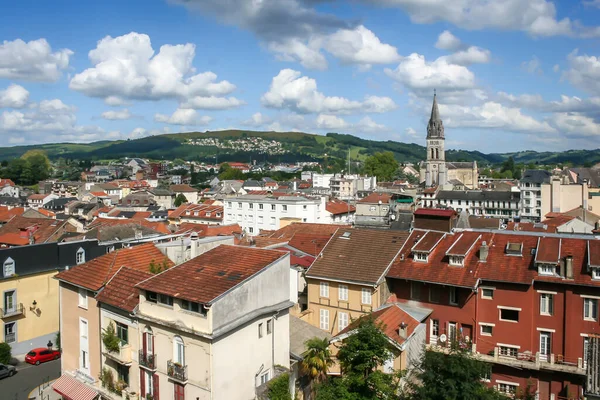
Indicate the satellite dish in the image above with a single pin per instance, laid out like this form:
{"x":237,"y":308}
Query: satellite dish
{"x":443,"y":338}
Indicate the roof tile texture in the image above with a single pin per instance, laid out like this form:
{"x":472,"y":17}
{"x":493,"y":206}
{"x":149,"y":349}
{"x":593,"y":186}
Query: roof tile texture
{"x":120,"y":291}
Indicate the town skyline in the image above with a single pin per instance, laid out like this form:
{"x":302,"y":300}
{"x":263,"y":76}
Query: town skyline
{"x":528,"y":82}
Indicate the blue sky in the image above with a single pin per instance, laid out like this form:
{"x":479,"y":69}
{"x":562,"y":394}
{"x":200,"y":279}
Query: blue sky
{"x":510,"y":74}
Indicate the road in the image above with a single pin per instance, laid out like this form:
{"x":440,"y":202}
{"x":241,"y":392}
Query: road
{"x":28,"y":378}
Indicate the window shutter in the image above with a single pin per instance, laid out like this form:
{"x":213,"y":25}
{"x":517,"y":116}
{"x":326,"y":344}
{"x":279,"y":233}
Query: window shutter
{"x":144,"y":338}
{"x":156,"y":393}
{"x":142,"y":383}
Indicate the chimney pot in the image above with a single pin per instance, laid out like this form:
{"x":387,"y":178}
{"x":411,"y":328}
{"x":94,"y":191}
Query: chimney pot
{"x":483,"y":252}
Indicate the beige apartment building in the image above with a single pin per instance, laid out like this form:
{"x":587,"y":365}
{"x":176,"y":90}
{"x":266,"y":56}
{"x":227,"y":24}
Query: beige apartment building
{"x":347,"y":280}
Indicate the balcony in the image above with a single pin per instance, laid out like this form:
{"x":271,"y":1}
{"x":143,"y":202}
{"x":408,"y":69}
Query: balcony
{"x":536,"y":361}
{"x":147,"y":360}
{"x":123,"y":356}
{"x":177,"y":371}
{"x":14,"y":311}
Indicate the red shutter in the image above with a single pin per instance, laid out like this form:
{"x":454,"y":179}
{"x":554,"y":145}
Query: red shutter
{"x":144,"y":336}
{"x":179,"y":391}
{"x":153,"y":344}
{"x":142,"y":383}
{"x":155,"y":384}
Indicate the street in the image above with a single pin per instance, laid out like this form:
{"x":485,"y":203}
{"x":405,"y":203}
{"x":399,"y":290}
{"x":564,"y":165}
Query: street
{"x":27,"y":378}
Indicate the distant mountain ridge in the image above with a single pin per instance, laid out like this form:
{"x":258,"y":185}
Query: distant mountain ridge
{"x":245,"y":145}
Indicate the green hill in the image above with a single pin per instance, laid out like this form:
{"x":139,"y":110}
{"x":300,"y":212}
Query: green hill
{"x":241,"y":145}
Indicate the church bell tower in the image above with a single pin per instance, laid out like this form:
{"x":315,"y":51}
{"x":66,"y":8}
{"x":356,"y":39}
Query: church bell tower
{"x":436,"y":160}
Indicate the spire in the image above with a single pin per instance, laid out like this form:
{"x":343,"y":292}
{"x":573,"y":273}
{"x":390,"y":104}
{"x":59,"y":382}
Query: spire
{"x":435,"y":127}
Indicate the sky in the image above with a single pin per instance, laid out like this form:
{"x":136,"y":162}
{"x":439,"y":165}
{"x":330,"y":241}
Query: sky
{"x":510,"y":75}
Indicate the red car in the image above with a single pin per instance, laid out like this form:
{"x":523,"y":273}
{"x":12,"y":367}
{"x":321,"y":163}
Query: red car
{"x":42,"y":354}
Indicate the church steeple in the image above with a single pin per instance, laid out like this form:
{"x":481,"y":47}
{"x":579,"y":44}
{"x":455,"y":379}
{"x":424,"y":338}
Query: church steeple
{"x":435,"y":127}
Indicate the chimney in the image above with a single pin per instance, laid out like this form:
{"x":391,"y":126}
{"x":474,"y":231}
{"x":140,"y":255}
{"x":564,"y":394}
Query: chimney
{"x":31,"y":237}
{"x":137,"y":233}
{"x":484,"y":251}
{"x":562,"y":268}
{"x":569,"y":267}
{"x":402,"y":330}
{"x":193,"y":245}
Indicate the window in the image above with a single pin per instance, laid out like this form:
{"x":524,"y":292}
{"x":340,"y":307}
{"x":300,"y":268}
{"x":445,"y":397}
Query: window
{"x":546,"y":304}
{"x":434,"y":294}
{"x":260,"y":206}
{"x":435,"y":327}
{"x":179,"y":391}
{"x":486,"y":330}
{"x":595,"y":273}
{"x":421,"y":257}
{"x":324,"y":319}
{"x":122,"y":333}
{"x":507,"y":314}
{"x":508,"y":351}
{"x":251,"y":229}
{"x":10,"y":301}
{"x":452,"y":296}
{"x":507,"y":388}
{"x":269,"y":326}
{"x":547,"y":269}
{"x":10,"y":332}
{"x":273,"y":207}
{"x":260,"y":330}
{"x":264,"y":378}
{"x":9,"y":267}
{"x":457,"y":261}
{"x":193,"y":307}
{"x":590,"y":309}
{"x":239,"y":217}
{"x":366,"y":296}
{"x":586,"y":349}
{"x":343,"y":292}
{"x":166,"y":300}
{"x":229,"y":204}
{"x":178,"y":350}
{"x":151,"y":297}
{"x":240,"y":206}
{"x":272,"y":220}
{"x":284,"y":207}
{"x":372,"y":208}
{"x":415,"y":290}
{"x":251,"y":206}
{"x":80,"y":256}
{"x":83,"y":300}
{"x":260,"y":219}
{"x":324,"y":289}
{"x":343,"y":321}
{"x":304,"y":207}
{"x":487,"y":293}
{"x":123,"y":373}
{"x":452,"y":330}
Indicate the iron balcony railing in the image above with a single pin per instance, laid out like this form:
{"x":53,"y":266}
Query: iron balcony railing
{"x":17,"y":309}
{"x":177,"y":371}
{"x":147,"y":360}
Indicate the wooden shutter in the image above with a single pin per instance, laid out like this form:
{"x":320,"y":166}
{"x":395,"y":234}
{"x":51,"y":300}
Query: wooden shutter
{"x":144,"y":338}
{"x":142,"y":383}
{"x":179,"y":391}
{"x":156,"y":393}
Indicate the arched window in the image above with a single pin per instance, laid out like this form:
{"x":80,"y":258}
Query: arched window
{"x":437,"y":154}
{"x":148,"y":343}
{"x":432,"y":154}
{"x":178,"y":350}
{"x":9,"y":267}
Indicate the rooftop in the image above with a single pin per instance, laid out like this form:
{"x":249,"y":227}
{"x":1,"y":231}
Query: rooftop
{"x":120,"y":290}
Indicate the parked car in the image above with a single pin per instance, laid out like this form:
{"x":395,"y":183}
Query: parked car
{"x":40,"y":355}
{"x":7,"y":370}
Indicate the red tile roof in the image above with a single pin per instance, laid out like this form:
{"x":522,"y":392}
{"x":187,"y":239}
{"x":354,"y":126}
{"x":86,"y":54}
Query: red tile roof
{"x":183,"y":188}
{"x":189,"y":211}
{"x":428,"y":241}
{"x":160,"y":227}
{"x":99,"y":194}
{"x":120,"y":291}
{"x":204,"y":278}
{"x":376,"y":197}
{"x":435,"y":212}
{"x":309,"y":244}
{"x":390,"y":317}
{"x":45,"y":212}
{"x":463,"y":244}
{"x":594,"y":252}
{"x":357,"y":255}
{"x":205,"y":230}
{"x":44,"y":229}
{"x":290,"y":230}
{"x":37,"y":196}
{"x":94,"y":274}
{"x":336,"y":207}
{"x":302,"y":261}
{"x":6,"y":182}
{"x":548,"y":250}
{"x":6,"y":213}
{"x":13,"y":239}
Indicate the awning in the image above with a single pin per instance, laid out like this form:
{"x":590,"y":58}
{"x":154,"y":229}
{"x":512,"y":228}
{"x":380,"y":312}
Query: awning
{"x":72,"y":389}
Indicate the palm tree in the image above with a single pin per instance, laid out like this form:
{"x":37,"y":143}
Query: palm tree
{"x":317,"y":359}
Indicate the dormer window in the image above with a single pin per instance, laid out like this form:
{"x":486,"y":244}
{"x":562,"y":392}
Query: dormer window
{"x":420,"y":256}
{"x":208,"y":214}
{"x":80,"y":256}
{"x":187,"y":213}
{"x":196,"y":213}
{"x":547,"y":269}
{"x":514,"y":249}
{"x":9,"y":267}
{"x":457,"y":261}
{"x":595,"y":273}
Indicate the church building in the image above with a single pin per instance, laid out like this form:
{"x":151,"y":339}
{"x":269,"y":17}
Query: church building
{"x":435,"y":171}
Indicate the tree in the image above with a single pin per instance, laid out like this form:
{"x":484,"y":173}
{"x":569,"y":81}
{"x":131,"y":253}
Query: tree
{"x":317,"y":359}
{"x":383,"y":165}
{"x":157,"y":268}
{"x":361,"y":356}
{"x":231,"y":173}
{"x":453,"y":376}
{"x":279,"y":389}
{"x":179,"y":200}
{"x":5,"y":353}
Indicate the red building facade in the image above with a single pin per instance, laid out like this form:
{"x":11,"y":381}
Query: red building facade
{"x":527,"y":304}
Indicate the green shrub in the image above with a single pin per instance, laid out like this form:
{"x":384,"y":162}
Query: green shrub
{"x":110,"y":339}
{"x":279,"y":388}
{"x":5,"y":353}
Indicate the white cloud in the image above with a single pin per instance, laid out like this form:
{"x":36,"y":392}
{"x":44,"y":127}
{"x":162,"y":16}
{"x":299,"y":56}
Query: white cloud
{"x":212,"y":103}
{"x":411,"y":132}
{"x":256,"y":120}
{"x":536,"y":17}
{"x":295,"y":50}
{"x":117,"y":114}
{"x":126,"y":67}
{"x":335,"y":123}
{"x":14,"y":96}
{"x":325,"y":121}
{"x":592,"y":3}
{"x":184,"y":116}
{"x":583,"y":72}
{"x":417,"y":74}
{"x":32,"y":61}
{"x":447,"y":41}
{"x":115,"y":101}
{"x":576,"y":125}
{"x":299,"y":93}
{"x":533,"y":66}
{"x":556,"y":68}
{"x":470,"y":55}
